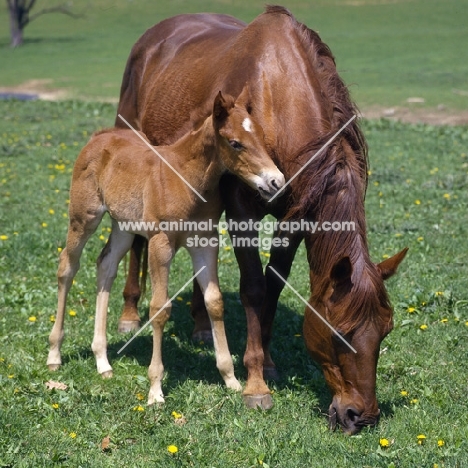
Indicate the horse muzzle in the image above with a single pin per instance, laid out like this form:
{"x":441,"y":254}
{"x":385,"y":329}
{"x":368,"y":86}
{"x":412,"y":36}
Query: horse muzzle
{"x":351,"y":419}
{"x":268,"y":183}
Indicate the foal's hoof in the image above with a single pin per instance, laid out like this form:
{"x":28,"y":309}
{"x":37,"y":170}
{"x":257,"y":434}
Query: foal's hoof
{"x":258,"y":401}
{"x":270,"y":373}
{"x":53,"y":367}
{"x":107,"y":375}
{"x":126,"y":326}
{"x":203,"y":335}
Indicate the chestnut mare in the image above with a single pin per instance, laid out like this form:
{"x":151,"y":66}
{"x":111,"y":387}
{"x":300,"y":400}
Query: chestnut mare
{"x":117,"y":173}
{"x":171,"y":76}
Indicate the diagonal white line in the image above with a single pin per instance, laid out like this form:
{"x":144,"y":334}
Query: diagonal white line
{"x":160,"y":157}
{"x":313,"y":310}
{"x":321,"y":150}
{"x":162,"y":308}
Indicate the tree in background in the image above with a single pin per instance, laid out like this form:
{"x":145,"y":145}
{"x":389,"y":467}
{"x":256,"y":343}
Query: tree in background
{"x":20,"y":18}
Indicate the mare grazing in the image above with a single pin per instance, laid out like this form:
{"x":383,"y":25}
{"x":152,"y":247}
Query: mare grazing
{"x":300,"y":101}
{"x":117,"y":173}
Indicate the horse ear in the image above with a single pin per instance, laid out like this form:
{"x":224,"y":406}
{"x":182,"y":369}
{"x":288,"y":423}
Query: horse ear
{"x":341,"y":271}
{"x":389,"y":266}
{"x":221,"y":107}
{"x":245,"y":99}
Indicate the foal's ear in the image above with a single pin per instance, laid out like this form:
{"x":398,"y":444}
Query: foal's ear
{"x":221,"y":107}
{"x":245,"y":99}
{"x":341,"y":271}
{"x":389,"y":266}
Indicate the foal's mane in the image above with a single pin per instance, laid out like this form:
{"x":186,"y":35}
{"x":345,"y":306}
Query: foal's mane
{"x":332,"y":188}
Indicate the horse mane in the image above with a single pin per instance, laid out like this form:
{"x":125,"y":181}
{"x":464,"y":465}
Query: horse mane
{"x":332,"y":187}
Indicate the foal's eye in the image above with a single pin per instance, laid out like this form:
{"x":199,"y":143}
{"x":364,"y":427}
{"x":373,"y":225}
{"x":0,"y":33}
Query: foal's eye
{"x":235,"y":144}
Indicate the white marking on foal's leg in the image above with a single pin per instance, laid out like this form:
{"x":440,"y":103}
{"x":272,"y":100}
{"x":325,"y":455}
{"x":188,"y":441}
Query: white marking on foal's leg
{"x":247,"y":124}
{"x":118,"y":245}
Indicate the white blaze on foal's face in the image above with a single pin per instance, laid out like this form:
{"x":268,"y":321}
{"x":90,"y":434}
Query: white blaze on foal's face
{"x":247,"y":124}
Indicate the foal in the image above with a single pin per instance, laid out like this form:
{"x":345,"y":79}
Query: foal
{"x":117,"y":173}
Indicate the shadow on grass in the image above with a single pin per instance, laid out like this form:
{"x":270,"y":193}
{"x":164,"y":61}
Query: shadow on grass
{"x":184,"y":359}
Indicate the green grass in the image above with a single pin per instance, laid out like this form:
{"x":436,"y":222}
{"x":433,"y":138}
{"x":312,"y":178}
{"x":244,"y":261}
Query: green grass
{"x":386,"y":51}
{"x":39,"y":142}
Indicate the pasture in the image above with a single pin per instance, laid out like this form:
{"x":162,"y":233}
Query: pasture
{"x":417,"y":197}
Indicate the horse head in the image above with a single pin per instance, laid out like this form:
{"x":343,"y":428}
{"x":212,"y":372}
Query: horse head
{"x":241,"y":145}
{"x":355,"y":316}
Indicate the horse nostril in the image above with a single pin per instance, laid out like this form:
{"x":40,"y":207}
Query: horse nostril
{"x":353,"y":415}
{"x":275,"y":184}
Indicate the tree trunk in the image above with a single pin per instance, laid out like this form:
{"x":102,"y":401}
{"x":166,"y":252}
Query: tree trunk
{"x":16,"y":30}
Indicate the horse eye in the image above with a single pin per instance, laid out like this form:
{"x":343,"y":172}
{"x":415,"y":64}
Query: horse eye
{"x":235,"y":144}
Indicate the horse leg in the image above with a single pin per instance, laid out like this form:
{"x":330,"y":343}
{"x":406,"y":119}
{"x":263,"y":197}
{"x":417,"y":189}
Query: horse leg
{"x":107,"y":264}
{"x":208,"y":280}
{"x":130,"y":320}
{"x":202,"y":330}
{"x":281,"y":260}
{"x":160,"y":254}
{"x":84,"y":220}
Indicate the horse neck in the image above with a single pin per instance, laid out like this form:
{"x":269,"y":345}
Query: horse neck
{"x":197,"y":156}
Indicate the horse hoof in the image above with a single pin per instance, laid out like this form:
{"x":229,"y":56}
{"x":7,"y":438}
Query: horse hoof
{"x":203,"y":335}
{"x":126,"y":326}
{"x":270,"y":373}
{"x":258,"y":401}
{"x":53,"y":367}
{"x":107,"y":375}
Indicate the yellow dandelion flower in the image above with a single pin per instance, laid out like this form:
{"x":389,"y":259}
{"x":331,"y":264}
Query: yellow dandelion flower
{"x":172,"y":449}
{"x":59,"y":249}
{"x":188,"y":303}
{"x":444,"y":320}
{"x":440,"y":443}
{"x":398,"y":234}
{"x":447,"y":196}
{"x":417,"y":202}
{"x":140,"y":396}
{"x":376,"y":184}
{"x":421,"y":438}
{"x":72,"y":313}
{"x":51,"y":211}
{"x":52,"y":318}
{"x":176,"y":415}
{"x":266,"y":254}
{"x":55,"y":405}
{"x":384,"y":443}
{"x":414,"y":401}
{"x":11,"y":376}
{"x":138,"y":408}
{"x":439,"y":293}
{"x":102,"y":237}
{"x":420,"y":239}
{"x":411,"y":309}
{"x":44,"y":225}
{"x":423,"y":326}
{"x":223,"y":232}
{"x":180,"y":298}
{"x":72,"y":435}
{"x":433,"y":171}
{"x":385,"y":256}
{"x":404,"y":393}
{"x":3,"y":237}
{"x":65,"y":215}
{"x":466,"y":323}
{"x":32,"y":318}
{"x":227,"y":248}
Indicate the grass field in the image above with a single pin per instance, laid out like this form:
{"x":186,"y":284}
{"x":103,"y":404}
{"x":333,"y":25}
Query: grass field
{"x":417,"y":197}
{"x":388,"y":51}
